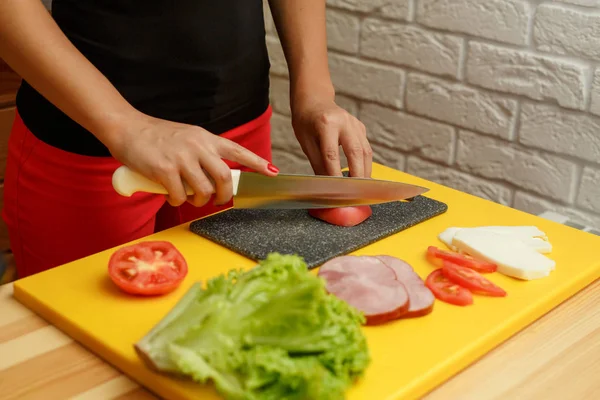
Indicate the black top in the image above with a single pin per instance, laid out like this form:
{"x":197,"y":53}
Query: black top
{"x":201,"y":62}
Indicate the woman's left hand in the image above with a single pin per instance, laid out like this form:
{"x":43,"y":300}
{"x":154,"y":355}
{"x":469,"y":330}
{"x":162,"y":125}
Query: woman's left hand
{"x":321,"y":126}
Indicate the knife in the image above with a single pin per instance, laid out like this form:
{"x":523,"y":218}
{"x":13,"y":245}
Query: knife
{"x":286,"y":191}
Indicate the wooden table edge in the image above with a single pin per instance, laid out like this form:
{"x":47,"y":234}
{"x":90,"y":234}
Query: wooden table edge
{"x":570,"y":333}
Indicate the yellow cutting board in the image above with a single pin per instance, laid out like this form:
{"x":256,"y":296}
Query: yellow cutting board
{"x":410,"y":357}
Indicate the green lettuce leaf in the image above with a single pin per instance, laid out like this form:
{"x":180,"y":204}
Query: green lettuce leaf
{"x":271,"y":332}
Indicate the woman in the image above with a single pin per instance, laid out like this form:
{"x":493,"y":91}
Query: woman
{"x":178,"y":91}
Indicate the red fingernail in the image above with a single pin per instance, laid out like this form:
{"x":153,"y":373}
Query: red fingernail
{"x":272,"y":168}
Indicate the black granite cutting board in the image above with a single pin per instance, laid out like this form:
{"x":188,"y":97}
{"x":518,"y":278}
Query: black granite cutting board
{"x":255,"y":233}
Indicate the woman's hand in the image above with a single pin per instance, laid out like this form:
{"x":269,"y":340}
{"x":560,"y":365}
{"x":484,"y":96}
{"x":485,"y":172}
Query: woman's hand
{"x":321,"y":126}
{"x":172,"y":153}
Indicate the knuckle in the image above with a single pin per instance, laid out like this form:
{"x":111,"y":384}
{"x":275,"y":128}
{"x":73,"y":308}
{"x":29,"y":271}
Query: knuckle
{"x":326,"y":119}
{"x":331,"y":154}
{"x":222,"y":175}
{"x":368,"y":151}
{"x":205,"y":190}
{"x":362,"y":128}
{"x":164,"y":168}
{"x":236,"y":151}
{"x":355,"y":151}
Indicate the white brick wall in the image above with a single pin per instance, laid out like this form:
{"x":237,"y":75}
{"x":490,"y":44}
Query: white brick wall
{"x":497,"y":98}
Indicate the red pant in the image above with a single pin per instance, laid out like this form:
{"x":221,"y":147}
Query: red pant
{"x":61,"y":206}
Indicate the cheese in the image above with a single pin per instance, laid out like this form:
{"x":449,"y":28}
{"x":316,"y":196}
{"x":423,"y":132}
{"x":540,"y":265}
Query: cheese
{"x":531,"y":235}
{"x":538,"y":244}
{"x":517,"y":230}
{"x":512,"y":256}
{"x":447,"y":237}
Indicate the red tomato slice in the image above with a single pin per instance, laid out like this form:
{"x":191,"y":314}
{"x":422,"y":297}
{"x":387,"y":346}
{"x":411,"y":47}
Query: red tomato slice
{"x":147,"y":268}
{"x":342,"y":216}
{"x":471,"y":280}
{"x":436,"y":255}
{"x":447,"y":291}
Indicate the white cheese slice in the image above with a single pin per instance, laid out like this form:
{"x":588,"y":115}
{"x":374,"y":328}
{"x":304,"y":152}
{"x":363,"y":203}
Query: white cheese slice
{"x":531,"y":235}
{"x":447,"y":237}
{"x":512,"y":256}
{"x":518,"y":230}
{"x":538,"y":244}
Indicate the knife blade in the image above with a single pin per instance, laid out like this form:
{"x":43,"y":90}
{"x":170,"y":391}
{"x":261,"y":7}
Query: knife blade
{"x":286,"y":191}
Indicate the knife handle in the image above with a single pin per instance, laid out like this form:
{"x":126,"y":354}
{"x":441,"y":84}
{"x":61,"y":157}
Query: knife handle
{"x":126,"y":182}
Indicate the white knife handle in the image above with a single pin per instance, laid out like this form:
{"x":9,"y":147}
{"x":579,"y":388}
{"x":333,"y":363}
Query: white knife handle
{"x":126,"y":182}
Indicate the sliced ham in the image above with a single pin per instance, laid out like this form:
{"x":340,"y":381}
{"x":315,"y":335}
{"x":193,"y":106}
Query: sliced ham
{"x":367,"y":284}
{"x":365,"y":266}
{"x":421,"y":299}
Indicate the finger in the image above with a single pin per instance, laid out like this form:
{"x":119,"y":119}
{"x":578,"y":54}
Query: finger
{"x":330,"y":151}
{"x":170,"y":178}
{"x":220,"y":174}
{"x":313,"y":153}
{"x":203,"y":189}
{"x":353,"y":148}
{"x":367,"y":150}
{"x":234,"y":152}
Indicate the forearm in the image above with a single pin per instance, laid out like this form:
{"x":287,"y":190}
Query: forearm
{"x":302,"y":30}
{"x":35,"y":47}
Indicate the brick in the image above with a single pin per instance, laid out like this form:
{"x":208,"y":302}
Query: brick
{"x":347,"y":104}
{"x":567,"y":31}
{"x":282,"y":135}
{"x":276,"y":56}
{"x":408,"y":133}
{"x":501,"y":20}
{"x":595,"y":100}
{"x":280,"y":98}
{"x":460,"y":105}
{"x":396,"y":9}
{"x":536,"y":205}
{"x":389,"y":157}
{"x":458,"y":180}
{"x":290,"y":163}
{"x":584,"y":3}
{"x":279,"y":95}
{"x":367,"y":80}
{"x":589,"y":190}
{"x":411,"y":46}
{"x":521,"y":72}
{"x":539,"y":172}
{"x":561,"y":131}
{"x":342,"y":31}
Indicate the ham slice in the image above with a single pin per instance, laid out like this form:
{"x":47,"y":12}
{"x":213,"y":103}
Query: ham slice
{"x":367,"y":284}
{"x":421,"y":299}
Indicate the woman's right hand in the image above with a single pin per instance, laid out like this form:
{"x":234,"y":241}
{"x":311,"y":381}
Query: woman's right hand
{"x":171,"y":153}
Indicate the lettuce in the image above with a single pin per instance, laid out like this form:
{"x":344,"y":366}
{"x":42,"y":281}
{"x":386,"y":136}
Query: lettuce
{"x":271,"y":332}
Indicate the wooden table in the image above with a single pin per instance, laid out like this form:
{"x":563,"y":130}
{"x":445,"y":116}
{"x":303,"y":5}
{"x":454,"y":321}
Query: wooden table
{"x":557,"y":357}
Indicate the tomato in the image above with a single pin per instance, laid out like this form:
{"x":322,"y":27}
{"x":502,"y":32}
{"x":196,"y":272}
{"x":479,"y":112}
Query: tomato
{"x":342,"y":216}
{"x":447,"y":291}
{"x":471,"y":280}
{"x":147,"y":268}
{"x":436,"y":255}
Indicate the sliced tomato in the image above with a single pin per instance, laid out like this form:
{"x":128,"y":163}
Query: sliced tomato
{"x":147,"y":268}
{"x":446,"y":290}
{"x":342,"y":216}
{"x":470,"y":279}
{"x":436,"y":256}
